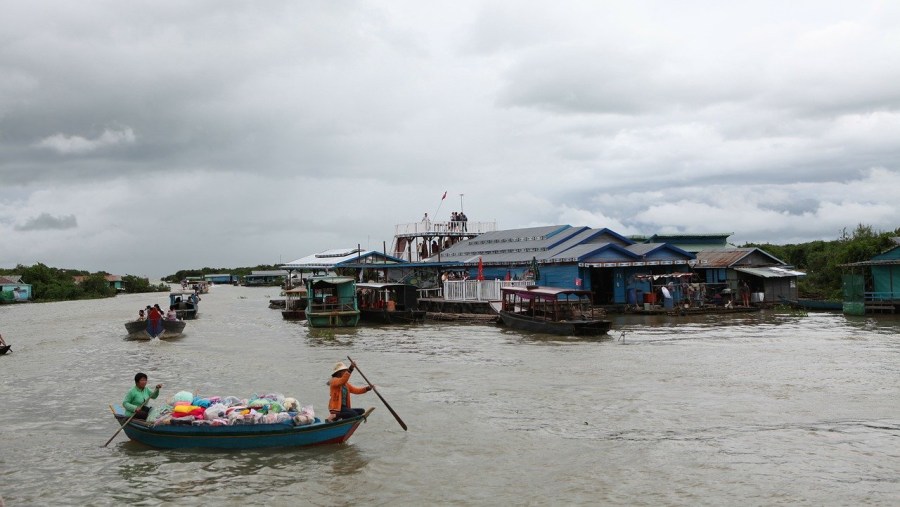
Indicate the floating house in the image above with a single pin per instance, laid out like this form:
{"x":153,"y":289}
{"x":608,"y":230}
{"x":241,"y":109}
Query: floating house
{"x":114,"y":281}
{"x":221,"y":278}
{"x":13,"y":290}
{"x":265,"y":278}
{"x":874,"y":286}
{"x":724,"y":269}
{"x":614,"y":268}
{"x":342,"y":258}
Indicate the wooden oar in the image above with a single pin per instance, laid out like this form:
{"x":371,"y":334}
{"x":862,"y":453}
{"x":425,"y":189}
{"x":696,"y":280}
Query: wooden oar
{"x":126,"y":422}
{"x":397,"y":417}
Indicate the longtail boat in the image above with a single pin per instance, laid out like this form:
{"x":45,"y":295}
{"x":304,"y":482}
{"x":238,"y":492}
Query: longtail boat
{"x":244,"y":436}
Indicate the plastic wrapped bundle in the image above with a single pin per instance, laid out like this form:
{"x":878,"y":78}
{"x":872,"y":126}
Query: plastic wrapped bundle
{"x":291,"y":405}
{"x":216,"y":411}
{"x":182,"y":396}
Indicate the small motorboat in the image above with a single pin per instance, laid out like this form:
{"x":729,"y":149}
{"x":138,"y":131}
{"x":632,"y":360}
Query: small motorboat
{"x":147,"y":330}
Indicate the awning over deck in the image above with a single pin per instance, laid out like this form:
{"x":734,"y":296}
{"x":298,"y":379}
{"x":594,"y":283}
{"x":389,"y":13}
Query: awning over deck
{"x":771,"y":272}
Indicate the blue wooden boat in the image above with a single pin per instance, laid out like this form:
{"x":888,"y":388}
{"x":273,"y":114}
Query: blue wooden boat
{"x":331,"y":301}
{"x":249,"y":436}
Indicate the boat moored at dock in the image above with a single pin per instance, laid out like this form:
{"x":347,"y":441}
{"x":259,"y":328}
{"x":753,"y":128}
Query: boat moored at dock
{"x":551,"y":310}
{"x":331,"y":301}
{"x":389,"y":303}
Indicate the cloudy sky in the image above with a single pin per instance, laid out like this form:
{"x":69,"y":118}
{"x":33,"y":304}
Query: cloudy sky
{"x":143,"y":137}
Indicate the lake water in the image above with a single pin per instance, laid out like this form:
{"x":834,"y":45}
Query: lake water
{"x":754,"y":409}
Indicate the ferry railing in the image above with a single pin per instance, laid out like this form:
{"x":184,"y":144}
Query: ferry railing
{"x":437,"y":227}
{"x":478,"y":290}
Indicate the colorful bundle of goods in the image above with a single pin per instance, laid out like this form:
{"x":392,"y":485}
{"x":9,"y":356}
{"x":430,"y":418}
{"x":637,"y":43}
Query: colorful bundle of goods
{"x":187,"y":409}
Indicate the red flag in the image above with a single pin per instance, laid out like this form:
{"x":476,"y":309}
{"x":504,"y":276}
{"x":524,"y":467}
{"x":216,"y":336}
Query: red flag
{"x":480,"y":270}
{"x":445,"y":195}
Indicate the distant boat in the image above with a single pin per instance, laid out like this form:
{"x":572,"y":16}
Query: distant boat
{"x":551,"y":310}
{"x":389,"y":303}
{"x":331,"y":301}
{"x":186,"y":303}
{"x":294,"y":304}
{"x":145,"y":330}
{"x":249,"y":436}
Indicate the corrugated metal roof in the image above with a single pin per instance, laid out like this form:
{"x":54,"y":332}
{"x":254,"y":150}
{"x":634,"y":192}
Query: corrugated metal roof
{"x":331,"y":258}
{"x":771,"y":272}
{"x":721,"y":257}
{"x":510,"y":246}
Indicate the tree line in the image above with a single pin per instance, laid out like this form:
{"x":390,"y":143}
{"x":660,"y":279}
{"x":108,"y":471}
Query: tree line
{"x":58,"y":284}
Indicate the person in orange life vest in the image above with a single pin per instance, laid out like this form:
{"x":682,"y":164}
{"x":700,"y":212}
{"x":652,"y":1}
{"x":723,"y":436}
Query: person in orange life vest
{"x":340,"y":389}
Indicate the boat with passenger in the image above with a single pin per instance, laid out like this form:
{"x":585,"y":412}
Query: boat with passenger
{"x":389,"y":303}
{"x":331,"y":301}
{"x":148,"y":329}
{"x":186,"y":303}
{"x":238,"y":436}
{"x":551,"y":310}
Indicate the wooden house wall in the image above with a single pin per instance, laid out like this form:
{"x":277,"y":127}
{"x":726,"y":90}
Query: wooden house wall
{"x":886,"y":280}
{"x":774,"y":287}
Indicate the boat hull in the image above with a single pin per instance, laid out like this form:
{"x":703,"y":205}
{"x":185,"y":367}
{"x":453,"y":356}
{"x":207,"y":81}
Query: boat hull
{"x":563,"y":328}
{"x":4,"y":349}
{"x":383,"y":316}
{"x":251,"y":436}
{"x":293,"y":314}
{"x":333,"y":319}
{"x":141,"y":330}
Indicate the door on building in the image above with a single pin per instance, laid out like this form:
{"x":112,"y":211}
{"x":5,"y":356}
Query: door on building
{"x":602,"y":286}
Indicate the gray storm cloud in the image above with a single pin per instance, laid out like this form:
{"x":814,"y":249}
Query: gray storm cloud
{"x":45,"y":221}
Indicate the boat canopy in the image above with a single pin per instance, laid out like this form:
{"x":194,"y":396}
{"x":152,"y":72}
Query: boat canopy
{"x":382,"y":285}
{"x":543,"y":292}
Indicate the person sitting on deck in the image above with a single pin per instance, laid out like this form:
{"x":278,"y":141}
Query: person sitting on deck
{"x":141,"y":316}
{"x":138,"y":396}
{"x":340,"y":389}
{"x":171,"y":314}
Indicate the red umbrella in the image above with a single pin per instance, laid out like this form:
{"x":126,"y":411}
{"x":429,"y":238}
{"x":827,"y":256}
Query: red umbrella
{"x":480,"y":270}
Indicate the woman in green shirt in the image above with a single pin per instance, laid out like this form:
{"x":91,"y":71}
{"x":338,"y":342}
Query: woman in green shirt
{"x":139,"y":394}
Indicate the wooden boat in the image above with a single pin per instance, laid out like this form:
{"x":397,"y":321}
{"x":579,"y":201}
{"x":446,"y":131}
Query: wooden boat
{"x":814,"y":304}
{"x":331,"y":301}
{"x":294,"y":304}
{"x":389,"y":303}
{"x":186,"y":303}
{"x":4,"y":349}
{"x":144,"y":330}
{"x":250,"y":436}
{"x":551,"y":310}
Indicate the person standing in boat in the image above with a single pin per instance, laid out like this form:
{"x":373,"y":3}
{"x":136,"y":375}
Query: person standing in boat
{"x":340,"y":389}
{"x":138,"y":395}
